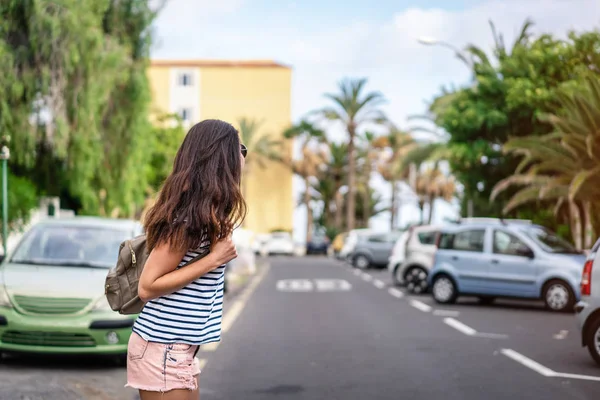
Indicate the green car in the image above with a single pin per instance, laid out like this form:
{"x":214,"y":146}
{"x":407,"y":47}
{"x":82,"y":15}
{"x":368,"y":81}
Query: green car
{"x":52,"y":288}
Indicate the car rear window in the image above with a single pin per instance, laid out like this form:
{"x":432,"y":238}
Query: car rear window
{"x":427,"y":237}
{"x":469,"y":240}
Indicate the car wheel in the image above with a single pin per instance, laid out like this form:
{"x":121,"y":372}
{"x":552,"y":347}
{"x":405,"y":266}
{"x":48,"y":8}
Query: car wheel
{"x":397,"y":275}
{"x":121,"y":360}
{"x":558,"y":296}
{"x":416,"y":280}
{"x":592,"y":334}
{"x":362,"y":262}
{"x":444,"y":289}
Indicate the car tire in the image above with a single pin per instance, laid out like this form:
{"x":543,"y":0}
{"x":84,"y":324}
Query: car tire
{"x":444,"y":289}
{"x":397,"y":275}
{"x":361,"y":262}
{"x":592,"y":338}
{"x":415,"y":280}
{"x":558,"y":296}
{"x":120,"y":360}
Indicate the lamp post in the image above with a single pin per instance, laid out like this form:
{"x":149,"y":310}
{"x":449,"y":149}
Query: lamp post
{"x":4,"y":156}
{"x":429,"y":41}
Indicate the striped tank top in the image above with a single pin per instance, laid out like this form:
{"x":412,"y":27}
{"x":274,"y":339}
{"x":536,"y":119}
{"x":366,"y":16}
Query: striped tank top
{"x":191,"y":315}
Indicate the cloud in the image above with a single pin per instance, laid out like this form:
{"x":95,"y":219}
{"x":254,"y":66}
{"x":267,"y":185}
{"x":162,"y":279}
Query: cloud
{"x":386,"y":51}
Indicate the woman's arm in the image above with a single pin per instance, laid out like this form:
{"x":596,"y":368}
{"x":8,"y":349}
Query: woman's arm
{"x":161,"y":276}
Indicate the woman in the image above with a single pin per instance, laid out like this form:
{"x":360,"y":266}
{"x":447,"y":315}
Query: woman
{"x":197,"y":209}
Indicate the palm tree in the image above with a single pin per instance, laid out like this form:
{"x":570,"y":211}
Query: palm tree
{"x":307,"y":167}
{"x":368,"y":155}
{"x":431,"y":185}
{"x":261,"y":148}
{"x":353,"y":108}
{"x":563,"y":167}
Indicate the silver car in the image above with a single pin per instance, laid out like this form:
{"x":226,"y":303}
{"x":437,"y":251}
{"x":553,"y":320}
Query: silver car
{"x":588,"y":308}
{"x":419,"y":250}
{"x":373,"y":250}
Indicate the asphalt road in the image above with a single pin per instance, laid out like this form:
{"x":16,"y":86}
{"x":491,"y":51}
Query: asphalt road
{"x":313,"y":328}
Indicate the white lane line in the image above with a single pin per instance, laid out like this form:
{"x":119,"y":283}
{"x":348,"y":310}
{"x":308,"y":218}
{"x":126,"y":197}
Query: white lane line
{"x":491,"y":335}
{"x":577,"y":376}
{"x":357,"y":272}
{"x":367,"y":277}
{"x":419,"y":305}
{"x":237,"y":307}
{"x":209,"y":346}
{"x":446,"y":313}
{"x":202,"y":362}
{"x":459,"y":326}
{"x":379,"y":284}
{"x":528,"y":362}
{"x":396,"y":293}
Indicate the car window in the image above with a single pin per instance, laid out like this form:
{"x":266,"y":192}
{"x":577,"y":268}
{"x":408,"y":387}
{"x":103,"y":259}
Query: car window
{"x":468,"y":240}
{"x":65,"y":245}
{"x":549,"y":241}
{"x":378,"y":239}
{"x":509,"y":244}
{"x":427,"y":237}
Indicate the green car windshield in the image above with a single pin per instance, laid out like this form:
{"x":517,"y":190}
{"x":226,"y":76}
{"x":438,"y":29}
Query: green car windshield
{"x":76,"y":246}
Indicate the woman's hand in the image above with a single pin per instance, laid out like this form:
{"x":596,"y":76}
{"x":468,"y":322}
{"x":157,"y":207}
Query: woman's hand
{"x":223,"y":251}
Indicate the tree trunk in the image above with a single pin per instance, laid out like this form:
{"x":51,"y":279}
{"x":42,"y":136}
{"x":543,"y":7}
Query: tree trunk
{"x":351,"y":202}
{"x":393,"y":207}
{"x":422,"y":209}
{"x":575,"y":224}
{"x":339,"y":207}
{"x":431,"y":206}
{"x":309,"y":211}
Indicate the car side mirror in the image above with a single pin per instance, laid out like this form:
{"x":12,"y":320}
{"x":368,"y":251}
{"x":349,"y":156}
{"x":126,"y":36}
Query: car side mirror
{"x":526,"y":252}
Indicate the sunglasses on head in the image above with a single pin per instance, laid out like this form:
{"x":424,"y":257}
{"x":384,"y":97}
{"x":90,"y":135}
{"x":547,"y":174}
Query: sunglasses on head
{"x":244,"y":150}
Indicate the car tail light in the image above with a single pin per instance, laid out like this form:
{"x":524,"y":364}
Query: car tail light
{"x":586,"y":279}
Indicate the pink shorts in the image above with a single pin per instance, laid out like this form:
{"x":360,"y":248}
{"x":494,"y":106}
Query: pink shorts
{"x":160,"y":367}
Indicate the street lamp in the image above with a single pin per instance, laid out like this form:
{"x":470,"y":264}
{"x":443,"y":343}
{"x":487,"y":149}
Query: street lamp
{"x":429,"y":41}
{"x":4,"y":156}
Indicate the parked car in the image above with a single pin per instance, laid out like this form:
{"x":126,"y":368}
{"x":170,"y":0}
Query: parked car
{"x":318,"y":244}
{"x":506,"y":259}
{"x":417,"y":260}
{"x":373,"y":250}
{"x":338,"y":244}
{"x":350,"y":243}
{"x":588,"y":308}
{"x":52,"y":288}
{"x":279,"y":243}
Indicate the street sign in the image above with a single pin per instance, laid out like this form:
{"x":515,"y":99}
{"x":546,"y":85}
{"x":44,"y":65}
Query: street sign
{"x":319,"y":285}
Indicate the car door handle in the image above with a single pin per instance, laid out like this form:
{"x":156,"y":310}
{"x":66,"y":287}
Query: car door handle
{"x":495,"y":262}
{"x":454,"y":258}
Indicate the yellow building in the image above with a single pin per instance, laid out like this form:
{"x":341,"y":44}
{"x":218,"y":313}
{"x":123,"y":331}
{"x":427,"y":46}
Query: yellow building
{"x":230,"y":90}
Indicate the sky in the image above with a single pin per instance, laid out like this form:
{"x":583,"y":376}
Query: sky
{"x":325,"y":41}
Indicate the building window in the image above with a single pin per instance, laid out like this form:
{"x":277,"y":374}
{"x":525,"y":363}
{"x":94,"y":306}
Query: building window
{"x":185,"y":79}
{"x":185,"y":114}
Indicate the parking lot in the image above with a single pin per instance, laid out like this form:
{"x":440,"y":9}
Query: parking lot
{"x":540,"y":340}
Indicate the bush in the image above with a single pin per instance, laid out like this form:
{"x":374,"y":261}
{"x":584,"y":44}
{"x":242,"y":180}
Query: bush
{"x":22,"y":198}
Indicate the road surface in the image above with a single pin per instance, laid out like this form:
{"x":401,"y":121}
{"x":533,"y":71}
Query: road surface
{"x":313,"y":328}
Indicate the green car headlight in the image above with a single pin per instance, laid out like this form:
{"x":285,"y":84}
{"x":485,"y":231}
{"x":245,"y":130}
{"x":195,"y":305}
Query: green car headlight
{"x":4,"y":300}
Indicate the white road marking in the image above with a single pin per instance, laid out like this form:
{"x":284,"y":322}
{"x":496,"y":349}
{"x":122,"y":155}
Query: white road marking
{"x":357,"y":272}
{"x":419,"y":305}
{"x":202,"y":363}
{"x":528,"y":362}
{"x":577,"y":376}
{"x":396,"y":293}
{"x":209,"y":346}
{"x":446,"y":313}
{"x":459,"y":326}
{"x":379,"y":284}
{"x":237,"y":307}
{"x":295,"y":285}
{"x":367,"y":277}
{"x":332,"y":285}
{"x":492,"y":335}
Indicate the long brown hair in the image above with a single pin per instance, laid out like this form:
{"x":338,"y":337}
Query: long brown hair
{"x":201,"y":198}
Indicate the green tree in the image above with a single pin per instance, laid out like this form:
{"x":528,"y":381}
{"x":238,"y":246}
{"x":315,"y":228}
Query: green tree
{"x":563,"y":167}
{"x":74,"y":96}
{"x":505,"y":99}
{"x":353,"y":108}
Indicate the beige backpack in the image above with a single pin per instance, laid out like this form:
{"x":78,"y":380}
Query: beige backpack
{"x":121,"y":286}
